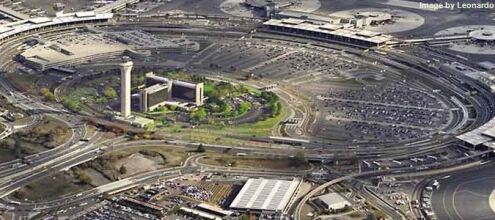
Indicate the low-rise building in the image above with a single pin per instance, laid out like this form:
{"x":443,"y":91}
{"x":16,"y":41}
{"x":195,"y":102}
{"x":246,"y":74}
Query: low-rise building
{"x":265,"y":195}
{"x":332,"y":201}
{"x":338,"y":33}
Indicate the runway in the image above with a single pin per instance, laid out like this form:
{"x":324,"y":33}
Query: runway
{"x":466,"y":195}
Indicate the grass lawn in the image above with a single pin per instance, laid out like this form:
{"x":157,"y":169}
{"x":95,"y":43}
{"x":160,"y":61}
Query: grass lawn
{"x":214,"y":134}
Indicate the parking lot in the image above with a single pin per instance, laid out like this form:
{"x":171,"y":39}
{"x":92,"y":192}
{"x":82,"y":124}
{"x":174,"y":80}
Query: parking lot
{"x":378,"y":112}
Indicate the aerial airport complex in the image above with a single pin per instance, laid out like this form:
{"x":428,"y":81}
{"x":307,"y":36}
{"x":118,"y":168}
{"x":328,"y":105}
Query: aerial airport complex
{"x":247,"y":109}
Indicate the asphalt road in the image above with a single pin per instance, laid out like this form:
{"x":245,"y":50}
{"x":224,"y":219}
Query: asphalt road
{"x":465,"y":196}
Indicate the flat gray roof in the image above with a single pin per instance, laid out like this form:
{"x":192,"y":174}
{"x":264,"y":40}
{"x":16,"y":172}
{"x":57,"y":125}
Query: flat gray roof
{"x":118,"y":4}
{"x":10,"y":29}
{"x":265,"y":194}
{"x":327,"y":28}
{"x":332,"y":198}
{"x":480,"y":135}
{"x":13,"y":13}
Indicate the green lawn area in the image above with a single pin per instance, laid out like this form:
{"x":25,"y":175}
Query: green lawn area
{"x":208,"y":88}
{"x":86,"y":92}
{"x":261,"y":128}
{"x":220,"y":135}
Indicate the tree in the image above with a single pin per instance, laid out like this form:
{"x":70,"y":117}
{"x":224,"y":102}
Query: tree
{"x":110,"y":92}
{"x":72,"y":104}
{"x":269,"y":97}
{"x":200,"y":149}
{"x":244,"y":217}
{"x":146,"y":136}
{"x":45,"y":92}
{"x":224,"y":108}
{"x":174,"y":210}
{"x":135,"y":137}
{"x":199,"y":114}
{"x":173,"y":107}
{"x":102,"y":100}
{"x":163,"y":109}
{"x":123,"y":169}
{"x":244,"y":107}
{"x":274,"y":109}
{"x":140,"y":79}
{"x":85,"y":178}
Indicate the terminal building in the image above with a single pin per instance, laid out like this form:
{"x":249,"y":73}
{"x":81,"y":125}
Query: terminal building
{"x":267,"y":196}
{"x":18,"y":28}
{"x":161,"y":91}
{"x":483,"y":136}
{"x":358,"y":20}
{"x":327,"y":31}
{"x":483,"y":37}
{"x":486,"y":79}
{"x":268,"y":7}
{"x":98,"y":46}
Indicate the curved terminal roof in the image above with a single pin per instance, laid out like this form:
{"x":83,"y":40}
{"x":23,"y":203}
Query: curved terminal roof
{"x":483,"y":35}
{"x":11,"y":29}
{"x":332,"y":29}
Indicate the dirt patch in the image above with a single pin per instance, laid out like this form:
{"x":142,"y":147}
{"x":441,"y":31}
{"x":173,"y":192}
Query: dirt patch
{"x":97,"y":178}
{"x":131,"y":161}
{"x":138,"y":163}
{"x":51,"y":187}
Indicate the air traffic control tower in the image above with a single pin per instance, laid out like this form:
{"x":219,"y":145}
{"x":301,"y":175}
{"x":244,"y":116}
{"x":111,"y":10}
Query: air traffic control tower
{"x":125,"y":87}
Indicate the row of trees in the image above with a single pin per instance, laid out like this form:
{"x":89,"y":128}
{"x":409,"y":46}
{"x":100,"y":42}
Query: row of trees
{"x":45,"y":92}
{"x":198,"y":115}
{"x":273,"y":103}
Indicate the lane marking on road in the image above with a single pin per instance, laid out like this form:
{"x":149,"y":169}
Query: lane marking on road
{"x":456,"y":190}
{"x":491,"y":200}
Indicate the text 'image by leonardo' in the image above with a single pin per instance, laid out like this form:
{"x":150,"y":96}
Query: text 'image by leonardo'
{"x":247,"y":109}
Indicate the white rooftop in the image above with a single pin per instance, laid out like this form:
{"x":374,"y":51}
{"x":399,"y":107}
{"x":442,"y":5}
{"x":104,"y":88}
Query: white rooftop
{"x":10,"y":29}
{"x":13,"y":13}
{"x":479,"y":135}
{"x":332,"y":198}
{"x":117,"y":4}
{"x":327,"y":28}
{"x":265,"y":194}
{"x":215,"y":209}
{"x":487,"y":65}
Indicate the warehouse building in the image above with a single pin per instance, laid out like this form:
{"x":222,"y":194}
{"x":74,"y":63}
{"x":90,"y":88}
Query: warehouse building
{"x":266,"y":195}
{"x":331,"y":201}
